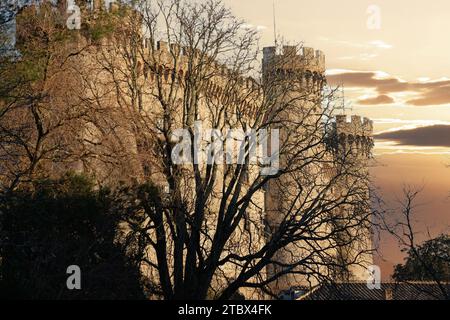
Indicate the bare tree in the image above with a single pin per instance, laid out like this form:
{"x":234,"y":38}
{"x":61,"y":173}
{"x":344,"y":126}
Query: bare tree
{"x":39,"y":109}
{"x":141,"y":80}
{"x":202,"y":227}
{"x":405,"y":231}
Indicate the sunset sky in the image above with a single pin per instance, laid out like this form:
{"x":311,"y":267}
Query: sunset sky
{"x":397,"y":74}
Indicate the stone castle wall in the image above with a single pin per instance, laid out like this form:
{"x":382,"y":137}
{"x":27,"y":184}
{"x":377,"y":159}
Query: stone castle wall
{"x":171,"y":64}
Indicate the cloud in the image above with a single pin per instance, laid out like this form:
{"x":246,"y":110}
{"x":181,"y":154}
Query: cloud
{"x":367,"y":50}
{"x":423,"y":93}
{"x":380,"y":44}
{"x":436,"y":96}
{"x":431,"y":136}
{"x":368,"y":79}
{"x":381,"y":99}
{"x":362,"y":56}
{"x":375,"y":44}
{"x":405,"y":124}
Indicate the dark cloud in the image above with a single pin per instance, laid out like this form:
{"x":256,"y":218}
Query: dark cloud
{"x":353,"y":79}
{"x":381,"y":99}
{"x":429,"y":93}
{"x":435,"y":96}
{"x":368,"y":80}
{"x":431,"y":136}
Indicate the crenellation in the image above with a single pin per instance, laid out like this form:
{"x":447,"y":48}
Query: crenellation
{"x":176,"y":49}
{"x":269,"y":52}
{"x":355,"y":119}
{"x":162,"y":46}
{"x":290,"y":51}
{"x":356,"y":125}
{"x":296,"y":59}
{"x":355,"y":133}
{"x":308,"y":53}
{"x":164,"y":54}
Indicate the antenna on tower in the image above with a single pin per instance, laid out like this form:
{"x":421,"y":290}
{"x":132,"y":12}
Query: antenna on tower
{"x":343,"y":99}
{"x":345,"y":104}
{"x":274,"y":25}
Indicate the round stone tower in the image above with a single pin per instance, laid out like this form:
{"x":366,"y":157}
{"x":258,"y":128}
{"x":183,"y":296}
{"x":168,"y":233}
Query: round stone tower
{"x":294,"y":79}
{"x":353,"y":142}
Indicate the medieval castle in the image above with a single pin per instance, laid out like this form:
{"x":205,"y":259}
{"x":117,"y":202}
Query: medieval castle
{"x":302,"y":72}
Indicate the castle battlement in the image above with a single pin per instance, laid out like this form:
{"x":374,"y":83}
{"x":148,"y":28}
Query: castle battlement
{"x":170,"y":61}
{"x":293,"y":58}
{"x":166,"y":54}
{"x":356,"y":125}
{"x":356,"y":132}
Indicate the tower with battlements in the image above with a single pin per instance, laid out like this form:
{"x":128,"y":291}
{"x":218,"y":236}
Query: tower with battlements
{"x":353,"y":143}
{"x":302,"y":73}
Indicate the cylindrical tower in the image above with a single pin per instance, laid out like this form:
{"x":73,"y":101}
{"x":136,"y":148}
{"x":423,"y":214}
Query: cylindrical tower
{"x":353,"y":144}
{"x":293,"y":81}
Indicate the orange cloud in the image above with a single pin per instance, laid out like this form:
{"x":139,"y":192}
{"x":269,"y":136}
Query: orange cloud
{"x":434,"y":96}
{"x":431,"y":136}
{"x":428,"y":93}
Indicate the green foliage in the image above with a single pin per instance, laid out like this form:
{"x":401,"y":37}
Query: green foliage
{"x":428,"y":262}
{"x":40,"y":37}
{"x":103,"y":26}
{"x":58,"y":223}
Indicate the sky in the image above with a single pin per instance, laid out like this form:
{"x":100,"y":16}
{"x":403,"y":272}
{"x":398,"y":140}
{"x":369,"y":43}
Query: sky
{"x":392,"y":57}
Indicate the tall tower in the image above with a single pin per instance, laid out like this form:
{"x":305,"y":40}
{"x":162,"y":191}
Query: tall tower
{"x":295,"y":79}
{"x":353,"y":142}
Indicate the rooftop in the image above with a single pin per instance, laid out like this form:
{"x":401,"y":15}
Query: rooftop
{"x":387,"y":291}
